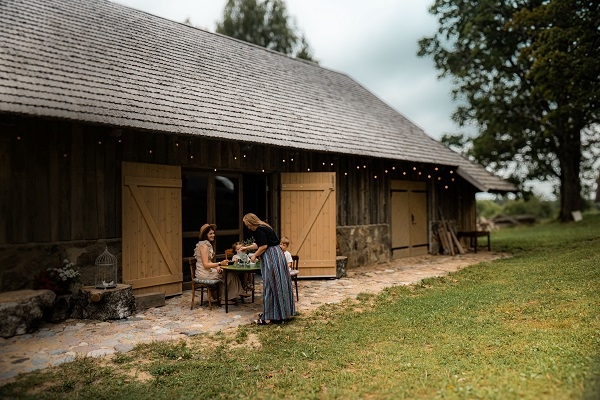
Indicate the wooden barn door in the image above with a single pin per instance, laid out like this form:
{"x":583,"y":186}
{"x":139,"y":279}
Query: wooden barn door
{"x":152,"y":228}
{"x":409,"y":219}
{"x":308,"y":219}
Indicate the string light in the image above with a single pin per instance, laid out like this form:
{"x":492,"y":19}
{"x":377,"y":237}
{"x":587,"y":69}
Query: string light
{"x":99,"y":142}
{"x":150,"y":151}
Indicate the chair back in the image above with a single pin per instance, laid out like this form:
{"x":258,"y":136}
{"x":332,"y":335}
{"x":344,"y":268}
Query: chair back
{"x":192,"y":261}
{"x":228,"y":254}
{"x":295,"y":262}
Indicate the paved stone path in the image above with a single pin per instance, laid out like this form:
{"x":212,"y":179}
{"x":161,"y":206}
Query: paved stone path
{"x":54,"y":344}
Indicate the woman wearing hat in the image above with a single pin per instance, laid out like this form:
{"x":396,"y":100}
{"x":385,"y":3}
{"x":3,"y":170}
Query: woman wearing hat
{"x":278,"y":294}
{"x":208,"y":269}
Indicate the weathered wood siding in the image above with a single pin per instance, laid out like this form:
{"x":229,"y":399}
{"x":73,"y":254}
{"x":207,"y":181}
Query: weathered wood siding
{"x":61,"y":180}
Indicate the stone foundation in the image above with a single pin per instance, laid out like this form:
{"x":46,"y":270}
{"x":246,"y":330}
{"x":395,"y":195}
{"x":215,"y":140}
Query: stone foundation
{"x":20,"y":264}
{"x":364,"y":244}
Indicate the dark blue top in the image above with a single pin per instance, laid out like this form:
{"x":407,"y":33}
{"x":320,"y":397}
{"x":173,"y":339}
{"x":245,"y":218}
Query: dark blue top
{"x":265,"y":235}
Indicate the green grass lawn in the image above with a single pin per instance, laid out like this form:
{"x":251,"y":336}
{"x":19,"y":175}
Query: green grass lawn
{"x":525,"y":327}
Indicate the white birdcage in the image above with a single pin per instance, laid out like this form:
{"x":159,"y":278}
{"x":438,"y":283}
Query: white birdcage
{"x":106,"y":271}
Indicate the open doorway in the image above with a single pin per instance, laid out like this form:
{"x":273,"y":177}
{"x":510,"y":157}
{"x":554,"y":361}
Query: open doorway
{"x":221,"y":198}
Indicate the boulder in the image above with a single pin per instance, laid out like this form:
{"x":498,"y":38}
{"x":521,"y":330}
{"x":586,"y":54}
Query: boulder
{"x":21,"y":311}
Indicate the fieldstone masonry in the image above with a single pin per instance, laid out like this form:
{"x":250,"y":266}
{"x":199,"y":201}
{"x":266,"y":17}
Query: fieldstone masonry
{"x":364,"y":244}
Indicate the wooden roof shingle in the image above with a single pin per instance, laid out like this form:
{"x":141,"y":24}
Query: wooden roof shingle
{"x":101,"y":62}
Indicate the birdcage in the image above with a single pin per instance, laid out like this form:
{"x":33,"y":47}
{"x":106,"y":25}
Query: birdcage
{"x":106,"y":271}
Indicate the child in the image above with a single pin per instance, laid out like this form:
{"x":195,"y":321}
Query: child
{"x":237,"y":248}
{"x":284,"y":244}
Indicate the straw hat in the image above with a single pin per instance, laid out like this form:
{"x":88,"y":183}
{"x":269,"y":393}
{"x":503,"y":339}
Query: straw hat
{"x":205,"y":227}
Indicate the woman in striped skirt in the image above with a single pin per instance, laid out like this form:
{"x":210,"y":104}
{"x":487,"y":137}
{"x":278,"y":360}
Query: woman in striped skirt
{"x":278,"y":294}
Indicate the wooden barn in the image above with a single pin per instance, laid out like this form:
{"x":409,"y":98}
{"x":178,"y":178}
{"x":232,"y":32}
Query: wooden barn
{"x":122,"y":129}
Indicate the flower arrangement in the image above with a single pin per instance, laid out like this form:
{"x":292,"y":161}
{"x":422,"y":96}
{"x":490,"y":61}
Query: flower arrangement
{"x":59,"y":280}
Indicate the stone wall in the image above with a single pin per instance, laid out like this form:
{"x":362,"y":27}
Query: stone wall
{"x":20,"y":264}
{"x":364,"y":244}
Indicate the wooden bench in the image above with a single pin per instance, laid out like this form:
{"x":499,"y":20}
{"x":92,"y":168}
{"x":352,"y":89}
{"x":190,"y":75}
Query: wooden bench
{"x":473,"y":235}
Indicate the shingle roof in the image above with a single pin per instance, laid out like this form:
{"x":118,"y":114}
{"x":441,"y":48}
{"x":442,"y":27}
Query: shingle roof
{"x":97,"y":61}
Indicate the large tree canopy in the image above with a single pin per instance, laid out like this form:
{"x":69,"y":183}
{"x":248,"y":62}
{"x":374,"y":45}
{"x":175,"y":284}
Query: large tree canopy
{"x":527,"y":75}
{"x":265,"y":24}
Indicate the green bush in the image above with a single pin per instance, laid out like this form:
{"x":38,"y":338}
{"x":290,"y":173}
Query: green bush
{"x":535,"y":206}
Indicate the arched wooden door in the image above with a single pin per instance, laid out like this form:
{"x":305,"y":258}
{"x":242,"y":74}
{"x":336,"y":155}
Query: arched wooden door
{"x":151,"y":214}
{"x":308,"y":219}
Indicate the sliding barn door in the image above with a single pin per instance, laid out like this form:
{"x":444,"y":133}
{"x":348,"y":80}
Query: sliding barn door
{"x":152,"y":228}
{"x":308,"y":219}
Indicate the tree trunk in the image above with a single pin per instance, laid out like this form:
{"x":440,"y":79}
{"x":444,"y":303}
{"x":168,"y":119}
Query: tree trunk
{"x":570,"y":181}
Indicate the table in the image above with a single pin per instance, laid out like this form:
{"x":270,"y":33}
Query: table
{"x":473,"y":235}
{"x":239,"y":269}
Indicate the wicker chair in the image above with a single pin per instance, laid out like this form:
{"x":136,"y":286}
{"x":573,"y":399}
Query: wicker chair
{"x":202,"y":285}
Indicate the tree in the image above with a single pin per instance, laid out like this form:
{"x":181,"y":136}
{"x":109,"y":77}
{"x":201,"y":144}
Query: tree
{"x":527,"y":75}
{"x":265,"y":24}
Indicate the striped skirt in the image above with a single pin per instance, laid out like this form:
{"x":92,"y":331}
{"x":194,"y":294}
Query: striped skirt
{"x":278,"y":293}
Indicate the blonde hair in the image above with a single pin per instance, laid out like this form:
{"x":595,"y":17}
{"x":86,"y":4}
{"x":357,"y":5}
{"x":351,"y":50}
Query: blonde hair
{"x":285,"y":240}
{"x":252,"y":221}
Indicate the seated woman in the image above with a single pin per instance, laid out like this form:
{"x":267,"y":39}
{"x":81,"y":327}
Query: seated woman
{"x":208,"y":269}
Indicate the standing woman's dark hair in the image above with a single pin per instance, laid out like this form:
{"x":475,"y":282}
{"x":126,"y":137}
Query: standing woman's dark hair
{"x":278,"y":295}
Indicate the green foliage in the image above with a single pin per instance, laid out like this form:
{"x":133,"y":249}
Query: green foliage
{"x":488,"y":208}
{"x":527,"y":76}
{"x":264,"y":23}
{"x":525,"y":326}
{"x":533,"y":206}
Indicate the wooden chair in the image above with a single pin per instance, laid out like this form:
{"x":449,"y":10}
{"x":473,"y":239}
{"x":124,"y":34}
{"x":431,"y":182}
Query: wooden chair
{"x":294,"y":273}
{"x":228,"y":254}
{"x":202,"y":285}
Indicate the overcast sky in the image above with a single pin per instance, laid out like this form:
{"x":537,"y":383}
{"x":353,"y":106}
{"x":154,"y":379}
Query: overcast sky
{"x":373,"y":41}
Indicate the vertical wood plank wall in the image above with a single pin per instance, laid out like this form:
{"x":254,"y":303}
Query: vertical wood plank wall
{"x":61,"y":180}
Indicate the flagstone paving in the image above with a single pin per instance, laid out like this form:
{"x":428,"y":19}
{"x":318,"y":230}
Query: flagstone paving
{"x":54,"y":344}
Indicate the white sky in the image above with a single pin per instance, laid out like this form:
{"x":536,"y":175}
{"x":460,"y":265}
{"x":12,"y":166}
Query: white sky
{"x":373,"y":41}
